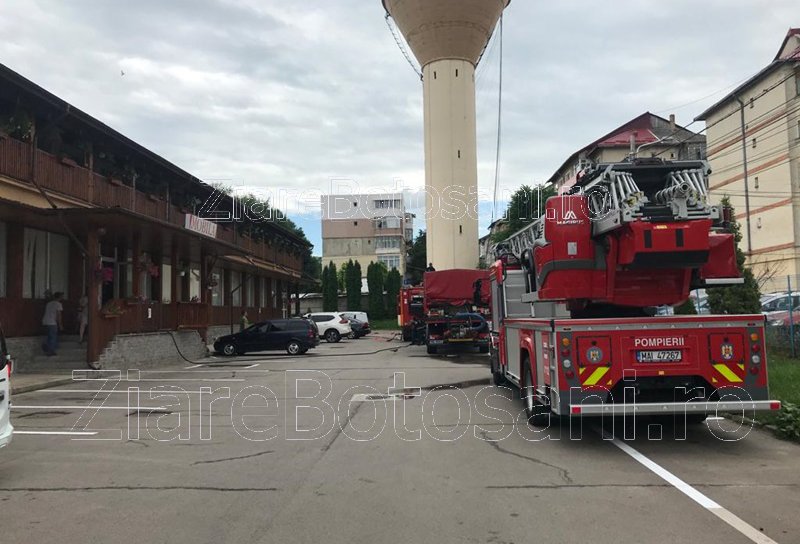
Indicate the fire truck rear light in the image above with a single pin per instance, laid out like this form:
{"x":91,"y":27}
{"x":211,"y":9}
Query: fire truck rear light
{"x":575,"y":410}
{"x":567,"y":363}
{"x":756,"y":347}
{"x":775,"y":405}
{"x":756,"y":359}
{"x":565,"y":342}
{"x":753,"y":370}
{"x":569,"y":374}
{"x":565,"y":352}
{"x":754,"y":337}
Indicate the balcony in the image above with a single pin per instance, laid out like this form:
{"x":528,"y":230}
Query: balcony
{"x":65,"y":178}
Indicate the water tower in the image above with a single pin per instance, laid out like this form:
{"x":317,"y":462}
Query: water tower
{"x":447,"y":37}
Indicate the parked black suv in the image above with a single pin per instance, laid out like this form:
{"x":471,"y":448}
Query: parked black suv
{"x":296,"y":336}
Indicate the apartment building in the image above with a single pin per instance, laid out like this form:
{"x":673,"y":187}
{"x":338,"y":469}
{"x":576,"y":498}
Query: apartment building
{"x":754,"y":150}
{"x":646,"y":135}
{"x":366,"y":228}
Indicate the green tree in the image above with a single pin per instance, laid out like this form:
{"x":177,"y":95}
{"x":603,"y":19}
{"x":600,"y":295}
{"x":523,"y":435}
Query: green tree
{"x":687,"y":308}
{"x":376,"y":274}
{"x":330,"y":289}
{"x":526,"y":205}
{"x":353,"y":285}
{"x":417,"y":258}
{"x":393,"y":283}
{"x":736,"y":299}
{"x":340,"y":277}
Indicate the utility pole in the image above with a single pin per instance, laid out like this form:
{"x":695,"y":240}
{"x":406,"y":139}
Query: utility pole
{"x":746,"y":183}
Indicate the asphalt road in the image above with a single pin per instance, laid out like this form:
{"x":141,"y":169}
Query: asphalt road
{"x":450,"y":461}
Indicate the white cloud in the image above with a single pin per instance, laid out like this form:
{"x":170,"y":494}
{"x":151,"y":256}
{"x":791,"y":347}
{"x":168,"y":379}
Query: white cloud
{"x":291,"y":95}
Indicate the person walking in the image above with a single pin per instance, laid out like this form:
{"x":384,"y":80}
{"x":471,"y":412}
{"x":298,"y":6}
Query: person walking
{"x":53,"y":323}
{"x":83,"y":317}
{"x":243,"y":322}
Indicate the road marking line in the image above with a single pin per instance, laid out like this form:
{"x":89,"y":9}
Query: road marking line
{"x":82,"y":407}
{"x":725,"y":515}
{"x":119,"y":391}
{"x":58,"y":433}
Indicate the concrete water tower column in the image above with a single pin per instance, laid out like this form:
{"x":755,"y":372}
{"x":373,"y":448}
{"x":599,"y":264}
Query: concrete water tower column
{"x":447,"y":37}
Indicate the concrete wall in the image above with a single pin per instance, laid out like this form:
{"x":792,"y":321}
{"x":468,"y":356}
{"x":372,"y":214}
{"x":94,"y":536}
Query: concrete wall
{"x":150,"y":350}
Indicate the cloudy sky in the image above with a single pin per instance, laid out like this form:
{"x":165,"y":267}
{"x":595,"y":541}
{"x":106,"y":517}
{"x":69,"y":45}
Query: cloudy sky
{"x":294,"y":98}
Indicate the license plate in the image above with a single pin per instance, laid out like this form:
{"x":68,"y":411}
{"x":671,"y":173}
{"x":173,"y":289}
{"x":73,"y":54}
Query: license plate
{"x":659,"y":356}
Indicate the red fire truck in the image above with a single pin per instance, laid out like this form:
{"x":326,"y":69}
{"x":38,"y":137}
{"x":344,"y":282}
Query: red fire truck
{"x":409,"y":308}
{"x":573,"y":296}
{"x":457,"y":310}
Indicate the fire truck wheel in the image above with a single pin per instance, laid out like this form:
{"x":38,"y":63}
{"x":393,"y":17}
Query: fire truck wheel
{"x":497,"y":376}
{"x":537,"y":413}
{"x":431,"y":350}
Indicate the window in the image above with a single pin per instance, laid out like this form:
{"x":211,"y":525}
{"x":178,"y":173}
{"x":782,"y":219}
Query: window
{"x":391,"y":261}
{"x":751,"y":103}
{"x":250,"y":284}
{"x":386,"y":204}
{"x":262,"y":295}
{"x":236,"y":295}
{"x":387,"y":242}
{"x":797,"y":82}
{"x":754,"y":143}
{"x":45,"y":263}
{"x":409,"y":234}
{"x":166,"y":283}
{"x":217,"y":287}
{"x":389,"y":223}
{"x":3,"y":260}
{"x":194,"y":284}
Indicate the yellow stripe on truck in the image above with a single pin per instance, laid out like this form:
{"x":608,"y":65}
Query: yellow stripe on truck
{"x":595,"y":376}
{"x":729,"y":374}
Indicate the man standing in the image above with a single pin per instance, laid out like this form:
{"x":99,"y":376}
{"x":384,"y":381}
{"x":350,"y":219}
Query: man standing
{"x":52,"y":323}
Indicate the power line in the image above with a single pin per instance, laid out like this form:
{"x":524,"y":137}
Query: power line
{"x":761,"y":136}
{"x":733,"y":112}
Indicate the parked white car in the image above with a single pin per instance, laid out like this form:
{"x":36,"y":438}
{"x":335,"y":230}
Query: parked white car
{"x":6,"y":430}
{"x":332,"y":325}
{"x":361,"y":316}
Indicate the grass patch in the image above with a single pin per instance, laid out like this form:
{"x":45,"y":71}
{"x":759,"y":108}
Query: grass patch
{"x":784,"y":377}
{"x":384,"y":324}
{"x":784,"y":385}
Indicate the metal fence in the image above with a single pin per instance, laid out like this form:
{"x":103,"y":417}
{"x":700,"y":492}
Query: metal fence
{"x":780,"y":303}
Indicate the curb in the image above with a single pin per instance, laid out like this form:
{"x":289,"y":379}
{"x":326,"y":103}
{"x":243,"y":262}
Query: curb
{"x":41,"y":385}
{"x":753,"y":423}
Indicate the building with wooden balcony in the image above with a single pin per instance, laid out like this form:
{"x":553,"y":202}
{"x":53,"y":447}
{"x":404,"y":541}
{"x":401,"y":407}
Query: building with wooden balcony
{"x":88,"y":212}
